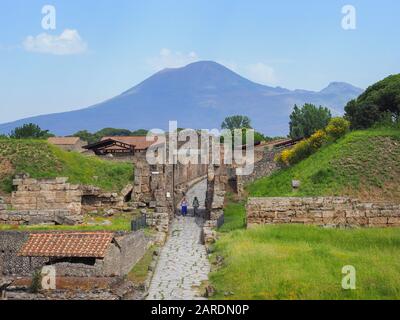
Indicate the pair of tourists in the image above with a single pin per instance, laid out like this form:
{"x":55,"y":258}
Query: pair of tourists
{"x":184,"y":206}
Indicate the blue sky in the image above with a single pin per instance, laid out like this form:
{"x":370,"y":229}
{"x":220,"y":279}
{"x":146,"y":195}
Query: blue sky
{"x":113,"y":45}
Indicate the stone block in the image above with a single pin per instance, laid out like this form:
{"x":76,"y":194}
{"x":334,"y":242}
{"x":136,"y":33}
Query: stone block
{"x":394,"y":221}
{"x":378,"y":221}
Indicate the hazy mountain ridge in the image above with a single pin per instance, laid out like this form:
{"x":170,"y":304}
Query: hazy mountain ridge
{"x":199,"y":95}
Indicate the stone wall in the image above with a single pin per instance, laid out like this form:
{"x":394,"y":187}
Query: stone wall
{"x":34,"y":217}
{"x":323,"y":211}
{"x":264,"y":166}
{"x":11,"y":243}
{"x":46,"y":194}
{"x":93,"y":198}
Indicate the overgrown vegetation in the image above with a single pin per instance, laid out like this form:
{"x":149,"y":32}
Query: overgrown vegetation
{"x":305,"y":262}
{"x":42,"y":160}
{"x":140,"y":271}
{"x":30,"y":131}
{"x":336,"y":128}
{"x":378,"y":103}
{"x":308,"y":119}
{"x":364,"y":164}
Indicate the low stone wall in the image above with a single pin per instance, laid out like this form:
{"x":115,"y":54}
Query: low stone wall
{"x":34,"y":217}
{"x":324,"y":211}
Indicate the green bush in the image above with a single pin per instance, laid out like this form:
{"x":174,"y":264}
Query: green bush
{"x":36,"y":284}
{"x":337,"y":127}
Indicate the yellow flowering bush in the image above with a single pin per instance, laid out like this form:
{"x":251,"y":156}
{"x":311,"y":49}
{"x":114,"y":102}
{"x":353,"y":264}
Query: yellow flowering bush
{"x":318,"y":139}
{"x":337,"y":127}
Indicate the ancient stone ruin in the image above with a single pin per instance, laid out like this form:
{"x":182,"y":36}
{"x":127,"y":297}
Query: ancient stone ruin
{"x":322,"y":211}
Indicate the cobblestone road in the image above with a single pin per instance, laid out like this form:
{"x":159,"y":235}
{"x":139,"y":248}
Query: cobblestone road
{"x":183,"y":262}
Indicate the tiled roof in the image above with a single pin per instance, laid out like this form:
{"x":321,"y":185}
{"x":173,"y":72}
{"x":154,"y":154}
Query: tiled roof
{"x":82,"y":245}
{"x":63,"y":140}
{"x":139,"y":142}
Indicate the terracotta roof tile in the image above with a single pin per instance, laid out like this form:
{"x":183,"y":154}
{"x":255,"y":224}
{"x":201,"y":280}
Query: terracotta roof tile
{"x":139,"y":142}
{"x":82,"y":245}
{"x":63,"y":140}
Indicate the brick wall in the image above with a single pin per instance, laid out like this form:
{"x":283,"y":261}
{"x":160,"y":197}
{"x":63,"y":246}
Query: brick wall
{"x":325,"y":211}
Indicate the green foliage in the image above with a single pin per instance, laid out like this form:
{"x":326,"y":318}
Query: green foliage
{"x":305,"y":262}
{"x":236,"y":122}
{"x":363,"y":164}
{"x":108,"y":132}
{"x":140,"y":271}
{"x":36,"y":283}
{"x":30,"y":131}
{"x":378,"y":100}
{"x":337,"y":127}
{"x":42,"y":160}
{"x":307,"y":120}
{"x":234,"y":215}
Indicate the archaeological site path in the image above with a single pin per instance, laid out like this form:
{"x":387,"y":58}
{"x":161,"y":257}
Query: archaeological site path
{"x":183,"y":264}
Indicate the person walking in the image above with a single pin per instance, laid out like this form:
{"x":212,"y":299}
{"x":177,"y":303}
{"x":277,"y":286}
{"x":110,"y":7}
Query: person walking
{"x":196,"y":205}
{"x":184,"y":207}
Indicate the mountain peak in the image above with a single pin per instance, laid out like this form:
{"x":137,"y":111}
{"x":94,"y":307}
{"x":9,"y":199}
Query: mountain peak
{"x":199,"y":95}
{"x":341,"y":87}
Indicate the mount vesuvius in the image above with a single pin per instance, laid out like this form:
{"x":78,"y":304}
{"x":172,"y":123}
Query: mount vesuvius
{"x":198,"y":96}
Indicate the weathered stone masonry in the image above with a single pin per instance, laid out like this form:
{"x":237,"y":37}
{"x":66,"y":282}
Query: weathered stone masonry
{"x":125,"y":251}
{"x":324,"y":211}
{"x":43,"y":201}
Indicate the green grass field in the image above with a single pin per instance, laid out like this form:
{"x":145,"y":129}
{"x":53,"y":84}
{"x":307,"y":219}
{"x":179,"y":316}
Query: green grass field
{"x":364,"y":164}
{"x":305,"y":262}
{"x":42,"y":160}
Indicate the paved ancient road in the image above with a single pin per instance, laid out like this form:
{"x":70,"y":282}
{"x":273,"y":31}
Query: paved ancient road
{"x":183,"y":264}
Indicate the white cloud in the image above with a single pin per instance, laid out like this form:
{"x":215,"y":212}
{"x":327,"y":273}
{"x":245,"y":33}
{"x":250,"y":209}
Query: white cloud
{"x":69,"y":42}
{"x":171,"y":59}
{"x":260,"y":73}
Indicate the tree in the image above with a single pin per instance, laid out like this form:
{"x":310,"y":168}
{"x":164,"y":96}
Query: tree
{"x":108,"y":132}
{"x":140,"y":132}
{"x":236,"y":122}
{"x":307,"y":120}
{"x":30,"y":131}
{"x":377,"y":103}
{"x":85,"y":136}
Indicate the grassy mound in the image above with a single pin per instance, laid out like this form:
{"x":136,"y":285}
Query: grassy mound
{"x":304,"y":262}
{"x":42,"y":160}
{"x":364,"y":164}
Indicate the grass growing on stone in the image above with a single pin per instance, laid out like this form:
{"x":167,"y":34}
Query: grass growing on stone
{"x":305,"y":262}
{"x":119,"y":222}
{"x":364,"y":164}
{"x":234,"y":215}
{"x":139,"y":272}
{"x":42,"y":160}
